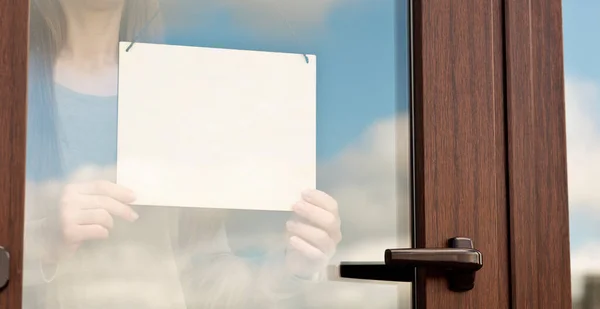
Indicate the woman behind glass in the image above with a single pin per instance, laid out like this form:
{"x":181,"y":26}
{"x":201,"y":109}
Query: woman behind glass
{"x":85,"y":247}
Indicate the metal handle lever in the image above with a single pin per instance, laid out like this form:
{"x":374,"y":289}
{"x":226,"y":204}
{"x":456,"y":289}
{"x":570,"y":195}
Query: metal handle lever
{"x":4,"y":267}
{"x":459,"y":263}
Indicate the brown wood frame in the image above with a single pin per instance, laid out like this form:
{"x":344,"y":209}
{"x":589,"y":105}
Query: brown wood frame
{"x":490,"y":155}
{"x":14,"y":35}
{"x":460,"y":158}
{"x":490,"y":158}
{"x":537,"y":168}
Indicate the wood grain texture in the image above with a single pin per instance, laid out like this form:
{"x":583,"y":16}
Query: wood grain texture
{"x":14,"y":22}
{"x":460,"y":157}
{"x":537,"y":155}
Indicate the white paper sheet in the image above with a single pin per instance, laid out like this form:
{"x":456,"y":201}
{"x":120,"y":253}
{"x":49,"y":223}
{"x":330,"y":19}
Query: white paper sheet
{"x":216,"y":128}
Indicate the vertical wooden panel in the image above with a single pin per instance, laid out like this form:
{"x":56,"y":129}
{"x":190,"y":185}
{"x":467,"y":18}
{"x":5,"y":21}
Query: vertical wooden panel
{"x":537,"y":155}
{"x":14,"y":22}
{"x":460,"y":157}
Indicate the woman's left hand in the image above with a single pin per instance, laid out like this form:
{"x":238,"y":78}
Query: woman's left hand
{"x":314,"y":233}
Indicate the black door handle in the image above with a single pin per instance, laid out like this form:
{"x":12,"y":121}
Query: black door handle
{"x":4,"y":267}
{"x":459,"y":263}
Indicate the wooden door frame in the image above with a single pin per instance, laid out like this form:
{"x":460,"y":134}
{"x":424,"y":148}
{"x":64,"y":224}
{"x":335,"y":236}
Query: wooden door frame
{"x":537,"y":155}
{"x":14,"y":36}
{"x":489,"y":157}
{"x":460,"y":152}
{"x":489,"y":127}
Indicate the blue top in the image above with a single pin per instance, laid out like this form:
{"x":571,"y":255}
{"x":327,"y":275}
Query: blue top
{"x":84,"y":132}
{"x":87,"y":129}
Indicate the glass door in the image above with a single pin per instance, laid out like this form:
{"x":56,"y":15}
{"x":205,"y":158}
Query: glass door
{"x":215,"y":154}
{"x":232,"y":154}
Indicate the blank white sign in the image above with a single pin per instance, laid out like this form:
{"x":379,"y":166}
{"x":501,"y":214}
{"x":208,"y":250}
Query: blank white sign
{"x":216,"y":128}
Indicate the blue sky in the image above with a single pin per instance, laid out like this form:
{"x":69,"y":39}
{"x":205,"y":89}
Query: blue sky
{"x":355,"y":46}
{"x":581,"y":23}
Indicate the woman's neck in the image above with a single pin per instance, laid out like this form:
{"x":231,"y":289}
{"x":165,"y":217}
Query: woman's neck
{"x":87,"y":62}
{"x":92,"y":35}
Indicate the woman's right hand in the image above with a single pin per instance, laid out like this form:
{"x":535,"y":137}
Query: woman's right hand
{"x":87,"y":211}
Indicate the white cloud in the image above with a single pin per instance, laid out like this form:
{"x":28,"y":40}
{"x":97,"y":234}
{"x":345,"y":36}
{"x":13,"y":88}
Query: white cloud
{"x":583,"y":153}
{"x":584,"y":261}
{"x":370,"y":181}
{"x":583,"y":144}
{"x":307,"y":13}
{"x":288,"y":18}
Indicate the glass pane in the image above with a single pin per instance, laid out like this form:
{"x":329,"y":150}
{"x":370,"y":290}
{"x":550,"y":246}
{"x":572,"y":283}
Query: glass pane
{"x":90,"y":242}
{"x":582,"y":71}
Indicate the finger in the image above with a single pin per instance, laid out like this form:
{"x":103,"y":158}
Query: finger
{"x":95,"y":216}
{"x":318,"y":216}
{"x":321,"y":199}
{"x":107,"y":188}
{"x":81,"y":233}
{"x":314,"y":236}
{"x":111,"y":205}
{"x":306,"y":249}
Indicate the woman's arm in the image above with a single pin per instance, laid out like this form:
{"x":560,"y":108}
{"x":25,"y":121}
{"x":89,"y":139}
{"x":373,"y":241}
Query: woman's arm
{"x":295,"y":267}
{"x":277,"y":285}
{"x":212,"y":276}
{"x":286,"y":273}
